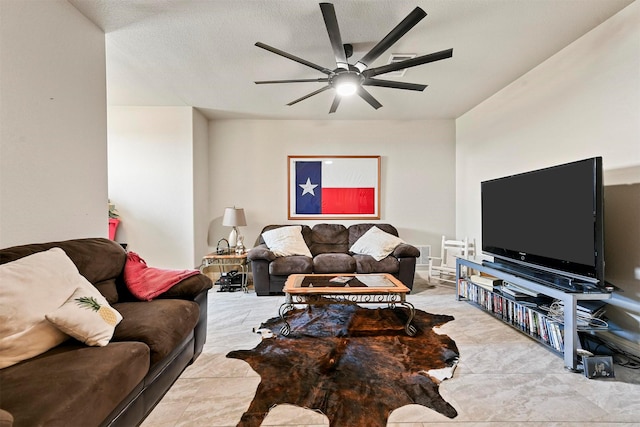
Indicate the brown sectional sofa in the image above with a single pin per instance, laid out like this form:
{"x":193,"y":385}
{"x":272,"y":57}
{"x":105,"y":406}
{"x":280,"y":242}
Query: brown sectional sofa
{"x":119,"y":384}
{"x":329,"y":245}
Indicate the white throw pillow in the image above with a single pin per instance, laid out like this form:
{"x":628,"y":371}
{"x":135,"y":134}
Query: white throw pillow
{"x":285,"y":241}
{"x":377,"y":243}
{"x":31,"y":287}
{"x":86,"y":316}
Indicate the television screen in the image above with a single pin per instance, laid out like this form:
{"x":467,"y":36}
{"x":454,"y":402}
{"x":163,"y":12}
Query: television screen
{"x":551,"y":218}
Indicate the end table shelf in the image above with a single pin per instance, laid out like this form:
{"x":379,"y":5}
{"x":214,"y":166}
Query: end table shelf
{"x":228,"y":260}
{"x":560,"y":336}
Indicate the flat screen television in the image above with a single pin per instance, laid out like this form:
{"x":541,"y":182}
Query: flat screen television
{"x":549,"y":219}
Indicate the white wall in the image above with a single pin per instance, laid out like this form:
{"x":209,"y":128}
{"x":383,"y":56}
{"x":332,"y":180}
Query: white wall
{"x":248,"y":169}
{"x":53,"y":127}
{"x":152,"y":179}
{"x":582,"y":102}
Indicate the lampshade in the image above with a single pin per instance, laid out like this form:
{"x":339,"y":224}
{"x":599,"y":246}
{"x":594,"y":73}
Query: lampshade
{"x":234,"y":217}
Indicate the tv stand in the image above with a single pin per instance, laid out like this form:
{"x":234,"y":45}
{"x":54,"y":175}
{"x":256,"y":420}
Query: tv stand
{"x":542,"y":277}
{"x":488,"y":301}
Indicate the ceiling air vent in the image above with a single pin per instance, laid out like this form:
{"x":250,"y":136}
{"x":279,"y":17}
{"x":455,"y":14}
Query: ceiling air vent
{"x":398,"y":57}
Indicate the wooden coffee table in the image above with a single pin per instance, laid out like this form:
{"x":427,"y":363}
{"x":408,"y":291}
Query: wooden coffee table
{"x":380,"y":288}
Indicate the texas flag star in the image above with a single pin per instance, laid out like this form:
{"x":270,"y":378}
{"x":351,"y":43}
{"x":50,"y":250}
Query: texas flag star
{"x":308,"y":187}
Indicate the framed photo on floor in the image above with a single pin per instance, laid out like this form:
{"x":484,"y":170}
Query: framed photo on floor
{"x":598,"y":366}
{"x":334,"y":187}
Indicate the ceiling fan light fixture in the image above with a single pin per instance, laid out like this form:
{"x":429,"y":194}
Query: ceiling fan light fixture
{"x":346,"y":88}
{"x":346,"y":84}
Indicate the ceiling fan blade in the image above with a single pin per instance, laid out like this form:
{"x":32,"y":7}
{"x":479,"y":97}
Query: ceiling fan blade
{"x":309,"y":95}
{"x":331,"y":22}
{"x":293,"y":58}
{"x":394,"y":84}
{"x":262,"y":82}
{"x":432,"y":57}
{"x":368,"y":97}
{"x":335,"y":103}
{"x":394,"y":35}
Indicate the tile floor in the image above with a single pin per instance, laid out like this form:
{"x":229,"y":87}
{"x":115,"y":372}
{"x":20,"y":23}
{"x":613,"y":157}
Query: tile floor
{"x":503,"y":378}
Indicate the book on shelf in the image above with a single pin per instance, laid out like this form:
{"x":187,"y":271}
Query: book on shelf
{"x":519,"y":289}
{"x":523,"y":312}
{"x":487,"y":282}
{"x":512,"y":293}
{"x":589,"y":314}
{"x":594,"y":308}
{"x":586,"y":308}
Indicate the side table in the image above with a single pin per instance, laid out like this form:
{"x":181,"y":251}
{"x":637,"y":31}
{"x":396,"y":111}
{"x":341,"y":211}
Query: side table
{"x":228,"y":260}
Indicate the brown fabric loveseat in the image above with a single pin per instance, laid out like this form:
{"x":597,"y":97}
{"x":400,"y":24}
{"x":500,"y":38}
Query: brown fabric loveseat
{"x":329,"y":245}
{"x":119,"y":384}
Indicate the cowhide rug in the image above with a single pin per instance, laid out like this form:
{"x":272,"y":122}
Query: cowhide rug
{"x":353,"y":364}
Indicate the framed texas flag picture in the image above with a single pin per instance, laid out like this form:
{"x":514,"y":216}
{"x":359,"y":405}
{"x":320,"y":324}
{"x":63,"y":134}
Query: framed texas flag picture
{"x":334,"y":187}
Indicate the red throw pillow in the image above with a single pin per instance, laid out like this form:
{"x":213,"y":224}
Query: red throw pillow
{"x":146,"y":283}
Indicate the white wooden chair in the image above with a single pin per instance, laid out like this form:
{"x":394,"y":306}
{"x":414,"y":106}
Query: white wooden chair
{"x":444,"y":266}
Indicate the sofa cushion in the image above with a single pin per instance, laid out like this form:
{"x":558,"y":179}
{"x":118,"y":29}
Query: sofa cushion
{"x":72,"y":384}
{"x":377,"y":243}
{"x":329,"y":238}
{"x":87,"y":317}
{"x":99,"y":260}
{"x":286,"y":241}
{"x":306,"y":232}
{"x":32,"y":287}
{"x":109,"y":290}
{"x":367,"y":264}
{"x":334,"y":263}
{"x":357,"y":230}
{"x":161,"y":324}
{"x":291,"y":265}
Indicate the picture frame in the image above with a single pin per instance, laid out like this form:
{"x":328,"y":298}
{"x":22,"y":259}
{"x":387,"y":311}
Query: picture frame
{"x":598,"y":366}
{"x":333,"y":187}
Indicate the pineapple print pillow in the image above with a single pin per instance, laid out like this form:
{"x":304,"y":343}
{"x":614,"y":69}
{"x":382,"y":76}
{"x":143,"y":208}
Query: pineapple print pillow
{"x":87,"y":317}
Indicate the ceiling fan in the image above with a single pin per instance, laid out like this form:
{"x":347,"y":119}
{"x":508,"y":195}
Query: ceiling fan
{"x":348,"y":79}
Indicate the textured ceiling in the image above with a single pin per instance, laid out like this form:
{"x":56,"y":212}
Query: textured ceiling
{"x":202,"y":54}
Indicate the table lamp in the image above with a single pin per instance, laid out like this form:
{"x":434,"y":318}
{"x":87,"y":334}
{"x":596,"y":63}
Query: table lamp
{"x":233,"y":217}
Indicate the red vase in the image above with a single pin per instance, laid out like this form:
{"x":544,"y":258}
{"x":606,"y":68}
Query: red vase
{"x":113,"y":225}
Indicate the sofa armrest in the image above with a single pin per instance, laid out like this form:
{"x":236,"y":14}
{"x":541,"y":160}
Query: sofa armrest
{"x":405,"y":250}
{"x":188,"y":288}
{"x":260,"y":252}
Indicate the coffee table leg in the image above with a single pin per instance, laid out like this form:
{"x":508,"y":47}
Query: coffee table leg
{"x":409,"y":328}
{"x":286,"y":306}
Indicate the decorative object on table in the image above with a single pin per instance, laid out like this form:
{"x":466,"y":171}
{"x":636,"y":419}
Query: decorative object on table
{"x":348,"y":79}
{"x":334,"y":187}
{"x":344,"y":348}
{"x":234,"y":217}
{"x":221,"y":250}
{"x":114,"y":220}
{"x":240,"y":249}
